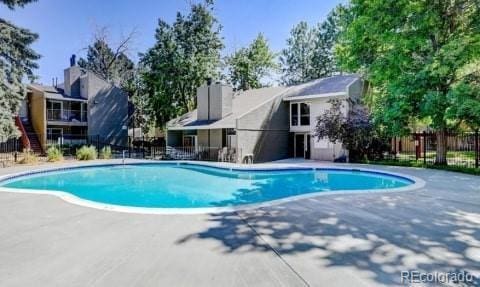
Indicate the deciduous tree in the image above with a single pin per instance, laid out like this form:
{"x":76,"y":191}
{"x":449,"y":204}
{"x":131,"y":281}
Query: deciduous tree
{"x":112,"y":64}
{"x":413,"y":53}
{"x":185,"y":54}
{"x":249,"y":66}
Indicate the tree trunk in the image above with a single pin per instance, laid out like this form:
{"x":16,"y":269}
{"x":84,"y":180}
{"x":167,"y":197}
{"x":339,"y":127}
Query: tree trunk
{"x":441,"y":155}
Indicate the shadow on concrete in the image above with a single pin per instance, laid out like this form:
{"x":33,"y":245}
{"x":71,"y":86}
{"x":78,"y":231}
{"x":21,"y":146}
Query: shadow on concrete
{"x":379,"y":235}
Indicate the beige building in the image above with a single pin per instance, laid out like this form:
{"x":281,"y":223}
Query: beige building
{"x":83,"y":106}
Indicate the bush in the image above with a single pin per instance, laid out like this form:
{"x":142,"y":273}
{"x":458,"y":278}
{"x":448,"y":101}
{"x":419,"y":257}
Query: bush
{"x":54,"y":153}
{"x":106,"y":152}
{"x":29,"y":157}
{"x":87,"y":153}
{"x":356,"y":132}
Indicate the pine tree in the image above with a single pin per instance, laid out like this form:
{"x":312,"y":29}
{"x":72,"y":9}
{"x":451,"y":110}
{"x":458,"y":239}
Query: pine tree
{"x":17,"y":62}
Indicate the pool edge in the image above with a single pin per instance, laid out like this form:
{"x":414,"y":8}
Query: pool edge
{"x":417,"y":183}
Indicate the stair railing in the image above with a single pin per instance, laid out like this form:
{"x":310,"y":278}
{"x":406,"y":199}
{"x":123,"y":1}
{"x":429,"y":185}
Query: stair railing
{"x":24,"y":136}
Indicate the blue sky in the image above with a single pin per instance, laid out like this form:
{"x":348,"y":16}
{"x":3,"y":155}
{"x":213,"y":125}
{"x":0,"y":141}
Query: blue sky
{"x":66,"y":26}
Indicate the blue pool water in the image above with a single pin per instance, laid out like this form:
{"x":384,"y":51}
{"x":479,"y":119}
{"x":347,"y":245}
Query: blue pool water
{"x":187,"y":186}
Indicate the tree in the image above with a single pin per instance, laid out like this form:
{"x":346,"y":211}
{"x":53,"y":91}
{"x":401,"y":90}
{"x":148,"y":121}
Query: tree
{"x":248,"y":66}
{"x":296,"y":59}
{"x":17,"y":61}
{"x":310,"y":51}
{"x":325,"y":36}
{"x":412,"y":53}
{"x":356,"y":131}
{"x":185,"y":54}
{"x":111,"y":64}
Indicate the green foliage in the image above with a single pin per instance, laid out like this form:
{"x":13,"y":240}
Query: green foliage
{"x":106,"y":152}
{"x":54,"y":153}
{"x":87,"y":153}
{"x":420,"y":164}
{"x":415,"y":54}
{"x":28,"y":157}
{"x":248,"y":66}
{"x":356,"y":131}
{"x":11,"y":4}
{"x":185,"y":54}
{"x":142,"y":114}
{"x":296,"y":59}
{"x":309,"y":54}
{"x":113,"y":66}
{"x":17,"y":61}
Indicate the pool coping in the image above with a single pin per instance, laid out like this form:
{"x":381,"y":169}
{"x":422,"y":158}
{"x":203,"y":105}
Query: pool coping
{"x":70,"y":198}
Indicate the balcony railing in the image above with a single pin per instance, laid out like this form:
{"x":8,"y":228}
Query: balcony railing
{"x":64,"y":115}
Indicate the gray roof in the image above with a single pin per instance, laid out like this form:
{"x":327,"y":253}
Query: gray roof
{"x":54,"y":93}
{"x":242,"y":103}
{"x":324,"y":86}
{"x":245,"y":101}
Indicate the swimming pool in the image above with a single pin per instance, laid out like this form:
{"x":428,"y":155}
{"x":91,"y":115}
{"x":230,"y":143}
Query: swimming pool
{"x":175,"y":185}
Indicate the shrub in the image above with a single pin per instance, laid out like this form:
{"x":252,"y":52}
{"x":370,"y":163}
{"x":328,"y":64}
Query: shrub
{"x":87,"y":153}
{"x":29,"y":157}
{"x":54,"y":153}
{"x":356,"y":132}
{"x":106,"y":152}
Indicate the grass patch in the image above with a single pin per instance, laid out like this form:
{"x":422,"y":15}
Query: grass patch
{"x":468,"y":170}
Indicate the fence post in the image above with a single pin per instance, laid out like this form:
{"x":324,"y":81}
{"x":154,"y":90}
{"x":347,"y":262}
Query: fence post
{"x":394,"y":148}
{"x":476,"y":149}
{"x":129,"y":147}
{"x":98,"y":143}
{"x":143,"y":147}
{"x":424,"y":147}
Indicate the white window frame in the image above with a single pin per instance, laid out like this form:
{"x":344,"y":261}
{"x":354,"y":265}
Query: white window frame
{"x":299,"y":115}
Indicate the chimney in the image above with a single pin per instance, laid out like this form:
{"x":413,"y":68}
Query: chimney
{"x":72,"y":79}
{"x":73,"y":62}
{"x":214,"y":101}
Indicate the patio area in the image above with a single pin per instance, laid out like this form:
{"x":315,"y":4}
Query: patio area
{"x":333,"y":240}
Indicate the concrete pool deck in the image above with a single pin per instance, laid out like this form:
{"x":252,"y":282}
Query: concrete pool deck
{"x":333,"y":240}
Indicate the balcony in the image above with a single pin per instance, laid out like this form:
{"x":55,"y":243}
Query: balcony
{"x":66,"y":116}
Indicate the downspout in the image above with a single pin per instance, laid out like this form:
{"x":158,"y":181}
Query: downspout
{"x":209,"y":82}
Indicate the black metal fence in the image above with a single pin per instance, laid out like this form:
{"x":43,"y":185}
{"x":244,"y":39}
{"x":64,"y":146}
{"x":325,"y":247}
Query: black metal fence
{"x":144,"y":148}
{"x":9,"y":151}
{"x":462,"y":149}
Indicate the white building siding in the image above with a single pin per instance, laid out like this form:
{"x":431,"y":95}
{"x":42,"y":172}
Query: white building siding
{"x":320,"y":149}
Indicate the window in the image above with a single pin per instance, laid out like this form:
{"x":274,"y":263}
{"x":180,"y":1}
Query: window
{"x":300,"y":114}
{"x":304,"y":114}
{"x":294,"y":114}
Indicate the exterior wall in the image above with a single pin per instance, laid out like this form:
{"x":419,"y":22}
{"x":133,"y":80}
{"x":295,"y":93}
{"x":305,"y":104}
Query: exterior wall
{"x":38,"y":116}
{"x":202,"y":103}
{"x":215,"y":138}
{"x":220,"y":101}
{"x":72,"y":81}
{"x":264,"y":131}
{"x":218,"y":106}
{"x":320,"y":149}
{"x":324,"y":149}
{"x":356,"y":90}
{"x":107,"y":110}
